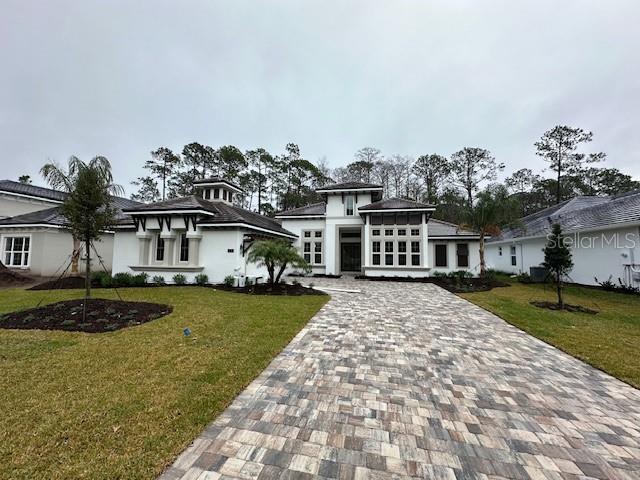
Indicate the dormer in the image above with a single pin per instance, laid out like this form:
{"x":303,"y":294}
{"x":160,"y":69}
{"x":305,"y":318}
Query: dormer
{"x":344,"y":199}
{"x":217,"y":189}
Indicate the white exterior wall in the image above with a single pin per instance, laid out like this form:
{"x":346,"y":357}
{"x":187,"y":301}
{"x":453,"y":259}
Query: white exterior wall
{"x":51,"y":248}
{"x":598,"y":254}
{"x":12,"y":205}
{"x":452,"y":266}
{"x":213,"y":254}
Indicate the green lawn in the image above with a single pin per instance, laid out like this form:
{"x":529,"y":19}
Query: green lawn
{"x":124,"y":404}
{"x":609,"y":340}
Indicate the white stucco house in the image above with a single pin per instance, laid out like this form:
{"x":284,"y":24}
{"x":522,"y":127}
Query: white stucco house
{"x":355,"y":231}
{"x":603,"y":233}
{"x":198,"y":234}
{"x":33,"y":238}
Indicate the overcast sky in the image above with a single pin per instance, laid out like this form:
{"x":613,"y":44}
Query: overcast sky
{"x":408,"y":77}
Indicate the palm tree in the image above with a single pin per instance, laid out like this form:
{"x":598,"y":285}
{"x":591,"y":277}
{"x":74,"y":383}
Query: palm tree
{"x":276,"y":256}
{"x":87,"y":207}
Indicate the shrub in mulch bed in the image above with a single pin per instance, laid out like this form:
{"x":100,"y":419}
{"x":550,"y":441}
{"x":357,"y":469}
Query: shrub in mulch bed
{"x":567,"y":307}
{"x":268,"y":289}
{"x":469,"y":285}
{"x":102,"y":316}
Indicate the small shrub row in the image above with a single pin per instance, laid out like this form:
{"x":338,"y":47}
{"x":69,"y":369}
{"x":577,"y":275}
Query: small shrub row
{"x":620,"y":287}
{"x":125,"y":279}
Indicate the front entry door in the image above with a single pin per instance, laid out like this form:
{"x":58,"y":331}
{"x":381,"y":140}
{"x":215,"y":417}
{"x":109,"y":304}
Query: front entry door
{"x":350,"y":257}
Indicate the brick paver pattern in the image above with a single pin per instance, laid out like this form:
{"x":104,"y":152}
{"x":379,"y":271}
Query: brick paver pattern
{"x":407,"y":380}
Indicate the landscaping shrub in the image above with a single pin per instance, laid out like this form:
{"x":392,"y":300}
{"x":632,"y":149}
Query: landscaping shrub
{"x":524,"y":277}
{"x":123,"y":279}
{"x":490,"y":275}
{"x":179,"y":279}
{"x":158,"y":280}
{"x":229,"y":280}
{"x":439,"y":275}
{"x":202,"y":279}
{"x":139,"y":280}
{"x":102,"y":278}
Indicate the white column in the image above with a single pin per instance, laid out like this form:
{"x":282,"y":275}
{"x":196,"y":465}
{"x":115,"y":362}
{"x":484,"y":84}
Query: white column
{"x":425,"y":241}
{"x":144,"y":240}
{"x":367,"y":243}
{"x":331,"y":258}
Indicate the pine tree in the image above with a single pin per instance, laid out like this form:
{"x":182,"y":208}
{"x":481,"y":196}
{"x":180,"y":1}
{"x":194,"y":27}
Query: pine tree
{"x":557,"y":259}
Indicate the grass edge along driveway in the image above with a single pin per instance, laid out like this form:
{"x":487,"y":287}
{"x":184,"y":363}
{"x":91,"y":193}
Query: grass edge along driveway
{"x":609,"y":340}
{"x":125,"y":404}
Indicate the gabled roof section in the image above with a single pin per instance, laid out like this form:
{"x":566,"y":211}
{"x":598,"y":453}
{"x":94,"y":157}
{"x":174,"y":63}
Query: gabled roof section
{"x":396,"y":204}
{"x":349,"y":186}
{"x":580,"y":213}
{"x":314,"y":210}
{"x":216,"y":213}
{"x":440,"y":228}
{"x":32,"y":190}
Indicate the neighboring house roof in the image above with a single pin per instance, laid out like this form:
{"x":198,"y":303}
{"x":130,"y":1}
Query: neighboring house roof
{"x":580,"y":213}
{"x":48,"y":216}
{"x":32,"y":190}
{"x":349,"y":186}
{"x":440,"y":228}
{"x":315,"y":209}
{"x":53,"y":217}
{"x":396,"y":204}
{"x":216,"y":211}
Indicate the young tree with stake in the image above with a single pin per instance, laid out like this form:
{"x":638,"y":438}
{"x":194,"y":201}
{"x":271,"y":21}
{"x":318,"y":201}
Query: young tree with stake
{"x":557,"y":259}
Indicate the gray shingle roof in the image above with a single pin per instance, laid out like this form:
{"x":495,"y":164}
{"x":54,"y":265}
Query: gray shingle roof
{"x":317,"y":209}
{"x":350,"y":186}
{"x":395,"y":204}
{"x":53,"y":217}
{"x":31,"y":190}
{"x":439,"y":228}
{"x":216,"y":180}
{"x":219,"y":212}
{"x":580,"y":213}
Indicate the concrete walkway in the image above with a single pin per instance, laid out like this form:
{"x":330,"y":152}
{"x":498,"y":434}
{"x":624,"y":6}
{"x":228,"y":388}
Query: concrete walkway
{"x":407,"y":380}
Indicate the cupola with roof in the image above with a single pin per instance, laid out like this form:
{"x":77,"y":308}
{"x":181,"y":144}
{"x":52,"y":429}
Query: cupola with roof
{"x":217,"y":189}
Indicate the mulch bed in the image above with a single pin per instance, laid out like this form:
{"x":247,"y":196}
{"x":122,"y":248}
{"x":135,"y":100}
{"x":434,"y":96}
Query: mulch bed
{"x":62,"y":284}
{"x":9,"y":278}
{"x":567,"y":307}
{"x":469,"y":286}
{"x":102,"y":316}
{"x":267,"y":289}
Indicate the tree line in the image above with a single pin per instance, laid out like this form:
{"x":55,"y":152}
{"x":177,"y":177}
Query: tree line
{"x":455,"y":183}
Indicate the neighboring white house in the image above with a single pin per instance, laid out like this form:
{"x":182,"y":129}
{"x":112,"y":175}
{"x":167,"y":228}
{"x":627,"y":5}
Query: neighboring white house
{"x":203,"y":233}
{"x":603,"y":233}
{"x":32,"y":234}
{"x":355,"y":231}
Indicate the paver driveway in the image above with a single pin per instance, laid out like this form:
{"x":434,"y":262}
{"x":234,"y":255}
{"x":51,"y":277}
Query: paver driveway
{"x":407,"y":380}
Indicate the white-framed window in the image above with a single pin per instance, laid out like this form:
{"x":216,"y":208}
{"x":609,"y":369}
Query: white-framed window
{"x":415,"y":253}
{"x":375,"y":232}
{"x":16,"y":251}
{"x":349,"y":206}
{"x":313,"y":247}
{"x":375,"y":246}
{"x":402,"y":253}
{"x":514,"y":258}
{"x":388,"y":252}
{"x":184,"y":248}
{"x":402,"y":232}
{"x":306,"y":251}
{"x":499,"y":251}
{"x":415,"y":232}
{"x":388,"y":232}
{"x":159,"y":248}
